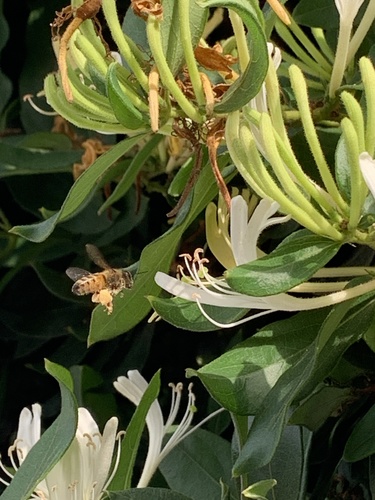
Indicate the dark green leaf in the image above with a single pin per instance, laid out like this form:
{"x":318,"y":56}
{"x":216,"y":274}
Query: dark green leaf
{"x":133,"y":306}
{"x":361,"y":442}
{"x":130,"y":444}
{"x":79,"y":194}
{"x":146,"y":494}
{"x":197,"y":466}
{"x":312,"y":367}
{"x":21,"y":161}
{"x":186,"y":314}
{"x":170,"y":31}
{"x":124,"y":110}
{"x":132,"y":171}
{"x":240,"y":379}
{"x":294,"y":261}
{"x":248,"y":84}
{"x":52,"y":444}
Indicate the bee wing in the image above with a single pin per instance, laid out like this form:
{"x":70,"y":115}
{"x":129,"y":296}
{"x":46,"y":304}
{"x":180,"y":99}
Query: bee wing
{"x":96,"y":256}
{"x":75,"y":273}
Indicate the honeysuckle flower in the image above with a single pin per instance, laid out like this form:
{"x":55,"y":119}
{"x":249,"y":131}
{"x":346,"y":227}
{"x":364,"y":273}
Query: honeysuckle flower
{"x":348,"y":10}
{"x":86,"y":468}
{"x":200,"y":287}
{"x":367,"y":166}
{"x":133,"y":387}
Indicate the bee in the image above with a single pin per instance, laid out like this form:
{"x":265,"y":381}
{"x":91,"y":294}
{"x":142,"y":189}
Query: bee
{"x":103,"y":285}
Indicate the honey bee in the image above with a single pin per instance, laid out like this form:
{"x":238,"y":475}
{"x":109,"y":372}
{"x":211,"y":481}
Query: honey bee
{"x":103,"y":285}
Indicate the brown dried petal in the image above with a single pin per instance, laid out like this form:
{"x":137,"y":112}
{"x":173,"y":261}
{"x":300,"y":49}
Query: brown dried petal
{"x":144,"y":8}
{"x":211,"y":59}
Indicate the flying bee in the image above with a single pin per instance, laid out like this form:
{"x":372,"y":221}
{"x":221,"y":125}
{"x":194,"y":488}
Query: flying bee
{"x":103,"y":285}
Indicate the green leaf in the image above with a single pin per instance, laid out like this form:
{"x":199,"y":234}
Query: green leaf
{"x":133,"y":306}
{"x":199,"y":465}
{"x":124,"y":110}
{"x":241,"y":378}
{"x":79,"y":194}
{"x":287,"y":464}
{"x":248,"y":84}
{"x":132,"y":171}
{"x":321,"y":405}
{"x":53,"y":443}
{"x":170,"y":31}
{"x":21,"y":161}
{"x":294,"y":261}
{"x":361,"y":442}
{"x":319,"y":13}
{"x":312,"y":367}
{"x":259,"y":489}
{"x":187,"y":315}
{"x":270,"y":420}
{"x":130,"y":444}
{"x":146,"y":494}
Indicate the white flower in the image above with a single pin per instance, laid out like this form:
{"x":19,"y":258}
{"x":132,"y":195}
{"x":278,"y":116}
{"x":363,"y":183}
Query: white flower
{"x":133,"y":387}
{"x":202,"y":288}
{"x":348,"y":9}
{"x":367,"y":166}
{"x":85,"y":469}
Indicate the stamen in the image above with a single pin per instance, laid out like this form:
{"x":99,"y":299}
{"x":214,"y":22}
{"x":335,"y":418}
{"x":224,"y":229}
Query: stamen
{"x":234,"y":323}
{"x":29,"y":99}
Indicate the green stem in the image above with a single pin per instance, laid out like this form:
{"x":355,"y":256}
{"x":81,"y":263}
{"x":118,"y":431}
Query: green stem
{"x":320,"y":38}
{"x":184,"y":18}
{"x":110,"y":13}
{"x":315,"y":69}
{"x":300,"y":92}
{"x":317,"y":55}
{"x":241,"y":428}
{"x":156,"y":46}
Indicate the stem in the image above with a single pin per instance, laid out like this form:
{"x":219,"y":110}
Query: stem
{"x":185,"y":40}
{"x":320,"y":38}
{"x":309,"y":46}
{"x":241,"y":428}
{"x":155,"y":42}
{"x":317,"y":68}
{"x":300,"y":91}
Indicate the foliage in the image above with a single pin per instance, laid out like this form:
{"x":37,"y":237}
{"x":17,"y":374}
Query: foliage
{"x":164,"y":145}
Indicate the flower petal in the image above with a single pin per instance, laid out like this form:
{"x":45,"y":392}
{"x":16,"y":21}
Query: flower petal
{"x":367,"y":166}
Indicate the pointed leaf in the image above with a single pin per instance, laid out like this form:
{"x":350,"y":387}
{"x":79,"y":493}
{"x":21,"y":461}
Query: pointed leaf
{"x":361,"y":442}
{"x":124,"y":110}
{"x":79,"y":194}
{"x":130,"y":443}
{"x":248,"y":84}
{"x":53,"y":443}
{"x":187,"y":315}
{"x":294,"y":261}
{"x":146,"y":494}
{"x":198,"y":465}
{"x":133,"y":306}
